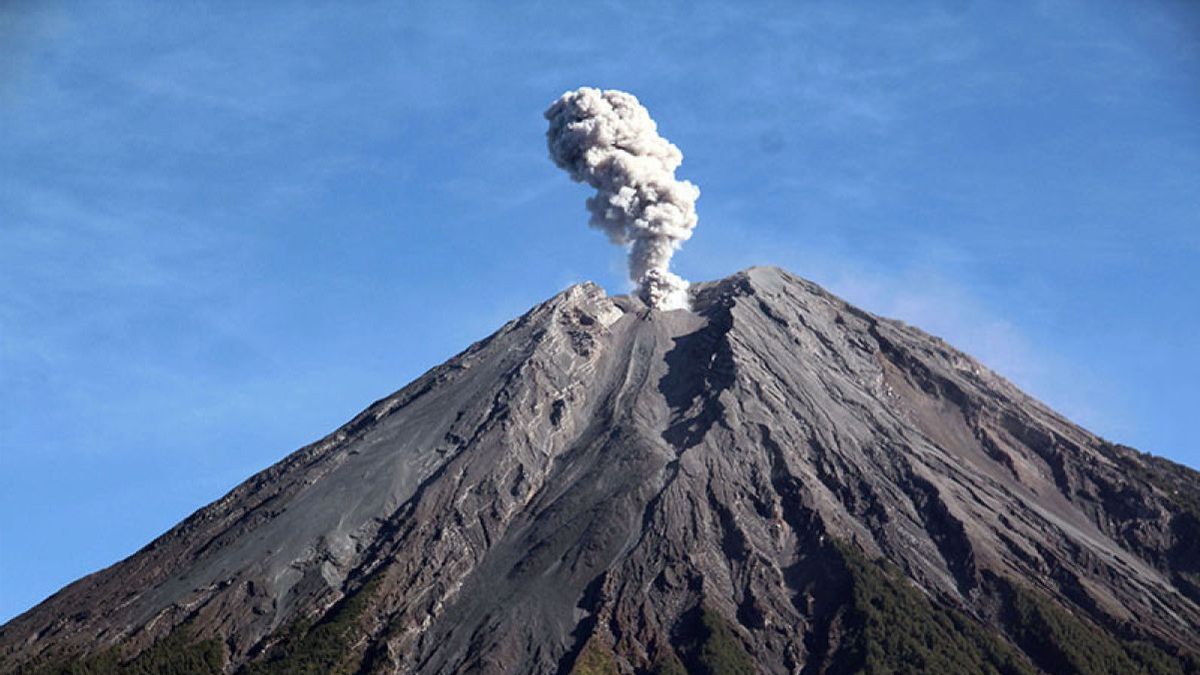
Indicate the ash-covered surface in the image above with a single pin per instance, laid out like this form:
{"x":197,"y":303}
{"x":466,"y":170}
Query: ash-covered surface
{"x":597,"y":471}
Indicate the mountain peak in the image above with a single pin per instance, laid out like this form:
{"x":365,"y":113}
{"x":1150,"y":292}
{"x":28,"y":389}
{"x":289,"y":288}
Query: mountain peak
{"x":598,"y":482}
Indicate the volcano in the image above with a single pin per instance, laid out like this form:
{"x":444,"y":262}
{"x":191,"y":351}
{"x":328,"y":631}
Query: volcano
{"x":772,"y":481}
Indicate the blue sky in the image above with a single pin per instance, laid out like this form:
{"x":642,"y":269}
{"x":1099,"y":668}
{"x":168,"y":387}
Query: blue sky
{"x":224,"y":230}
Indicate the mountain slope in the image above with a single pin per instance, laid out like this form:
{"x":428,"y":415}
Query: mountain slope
{"x":603,"y":487}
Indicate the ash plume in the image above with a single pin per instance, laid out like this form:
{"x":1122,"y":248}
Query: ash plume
{"x":608,"y":140}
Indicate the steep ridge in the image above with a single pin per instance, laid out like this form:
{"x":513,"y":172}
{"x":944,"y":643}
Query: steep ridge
{"x":603,"y":486}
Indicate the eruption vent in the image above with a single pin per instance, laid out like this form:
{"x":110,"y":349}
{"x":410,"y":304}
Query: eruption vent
{"x":607,"y":140}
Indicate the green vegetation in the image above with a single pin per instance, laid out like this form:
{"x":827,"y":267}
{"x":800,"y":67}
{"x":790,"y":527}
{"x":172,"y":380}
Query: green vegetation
{"x":595,"y":659}
{"x":321,"y":648}
{"x":891,"y":627}
{"x":713,"y":649}
{"x":668,"y":664}
{"x":175,"y":654}
{"x":721,"y":652}
{"x":1058,"y":641}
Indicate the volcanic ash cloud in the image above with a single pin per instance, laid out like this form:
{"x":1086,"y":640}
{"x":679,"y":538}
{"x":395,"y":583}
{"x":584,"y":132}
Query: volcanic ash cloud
{"x":608,"y":140}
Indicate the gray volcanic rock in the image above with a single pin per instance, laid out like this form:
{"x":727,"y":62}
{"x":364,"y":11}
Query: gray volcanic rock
{"x":596,"y":472}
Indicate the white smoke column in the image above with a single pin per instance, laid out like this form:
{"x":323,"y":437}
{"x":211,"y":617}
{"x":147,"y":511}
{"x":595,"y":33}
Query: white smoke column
{"x":607,"y":140}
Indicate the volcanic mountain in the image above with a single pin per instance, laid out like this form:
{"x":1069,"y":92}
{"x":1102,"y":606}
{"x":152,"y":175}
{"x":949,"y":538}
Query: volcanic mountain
{"x":773,"y":481}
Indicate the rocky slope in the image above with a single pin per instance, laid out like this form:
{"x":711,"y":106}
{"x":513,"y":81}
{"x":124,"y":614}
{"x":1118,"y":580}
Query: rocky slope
{"x":599,"y":487}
